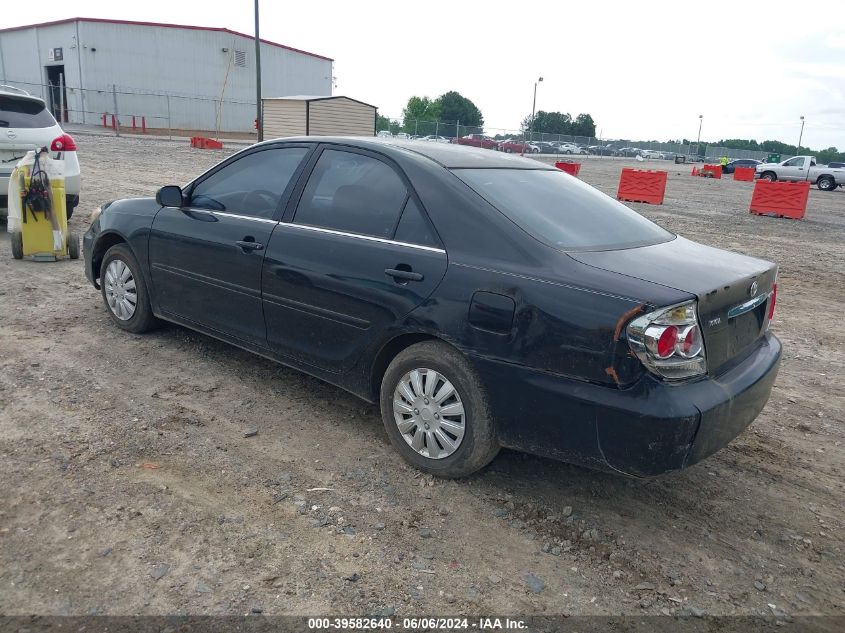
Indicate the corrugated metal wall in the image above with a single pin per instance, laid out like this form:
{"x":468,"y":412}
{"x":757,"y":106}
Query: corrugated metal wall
{"x":341,"y":116}
{"x":146,"y":63}
{"x":284,"y":118}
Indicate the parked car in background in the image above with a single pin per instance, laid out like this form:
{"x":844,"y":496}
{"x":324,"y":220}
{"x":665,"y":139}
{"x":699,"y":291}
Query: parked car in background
{"x":740,"y":162}
{"x":482,"y":300}
{"x":384,"y":134}
{"x":602,"y":150}
{"x":434,"y":138}
{"x":518,"y":147}
{"x":545,"y":148}
{"x":403,"y":136}
{"x":477,"y":140}
{"x":836,"y":165}
{"x":570,"y":148}
{"x":824,"y":177}
{"x":652,"y":154}
{"x":26,"y":124}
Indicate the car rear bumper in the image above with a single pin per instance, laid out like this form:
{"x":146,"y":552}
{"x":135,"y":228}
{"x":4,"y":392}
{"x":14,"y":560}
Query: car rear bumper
{"x":651,"y":428}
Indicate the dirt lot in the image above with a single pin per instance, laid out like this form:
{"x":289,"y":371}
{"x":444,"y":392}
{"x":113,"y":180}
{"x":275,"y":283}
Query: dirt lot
{"x":129,"y":485}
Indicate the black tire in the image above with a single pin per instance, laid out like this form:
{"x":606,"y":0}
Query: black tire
{"x":70,"y":205}
{"x":769,"y":175}
{"x":826,"y":183}
{"x":142,"y":320}
{"x":508,"y":151}
{"x":479,"y":444}
{"x":17,"y":244}
{"x":72,"y":245}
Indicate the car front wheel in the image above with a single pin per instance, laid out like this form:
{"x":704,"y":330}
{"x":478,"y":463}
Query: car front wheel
{"x":124,"y":291}
{"x":769,"y":175}
{"x":435,"y":411}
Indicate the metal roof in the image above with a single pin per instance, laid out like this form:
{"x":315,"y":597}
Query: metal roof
{"x":164,"y":25}
{"x":315,"y":98}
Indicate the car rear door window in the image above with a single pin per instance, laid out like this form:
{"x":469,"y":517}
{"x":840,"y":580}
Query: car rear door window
{"x":352,"y":193}
{"x":252,"y":185}
{"x":24,"y":113}
{"x":561,"y":211}
{"x":414,"y":228}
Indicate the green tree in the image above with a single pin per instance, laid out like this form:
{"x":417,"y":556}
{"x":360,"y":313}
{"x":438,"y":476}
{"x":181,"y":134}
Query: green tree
{"x":456,"y":107}
{"x":419,"y":114}
{"x":382,"y":123}
{"x":584,"y":126}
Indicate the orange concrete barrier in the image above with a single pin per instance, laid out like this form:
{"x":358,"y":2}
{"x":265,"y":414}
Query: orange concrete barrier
{"x":745,"y":174}
{"x":570,"y":168}
{"x":780,"y":199}
{"x":711,"y":171}
{"x":642,"y":185}
{"x":201,"y":142}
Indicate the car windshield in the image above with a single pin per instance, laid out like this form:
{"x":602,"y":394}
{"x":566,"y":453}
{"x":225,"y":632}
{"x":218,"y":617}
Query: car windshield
{"x":562,"y":211}
{"x":24,"y":113}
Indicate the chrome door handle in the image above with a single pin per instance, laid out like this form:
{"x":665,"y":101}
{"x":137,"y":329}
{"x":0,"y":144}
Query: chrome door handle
{"x":250,"y":246}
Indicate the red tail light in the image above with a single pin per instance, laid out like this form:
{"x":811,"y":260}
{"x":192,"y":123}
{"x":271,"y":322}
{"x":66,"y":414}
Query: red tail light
{"x":773,"y":300}
{"x":668,"y":341}
{"x":64,"y":143}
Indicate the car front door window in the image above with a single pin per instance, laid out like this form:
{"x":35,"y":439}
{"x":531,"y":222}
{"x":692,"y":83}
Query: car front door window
{"x":352,"y":193}
{"x":252,"y":185}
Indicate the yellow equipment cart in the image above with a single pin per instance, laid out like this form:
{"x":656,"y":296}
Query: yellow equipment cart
{"x":37,"y":212}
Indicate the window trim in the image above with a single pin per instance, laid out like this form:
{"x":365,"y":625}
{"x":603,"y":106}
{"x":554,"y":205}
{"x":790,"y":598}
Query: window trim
{"x":289,"y":188}
{"x":288,"y":217}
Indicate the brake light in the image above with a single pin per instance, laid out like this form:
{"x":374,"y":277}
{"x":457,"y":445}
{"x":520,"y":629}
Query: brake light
{"x":668,"y":341}
{"x":63,"y":143}
{"x":773,"y":300}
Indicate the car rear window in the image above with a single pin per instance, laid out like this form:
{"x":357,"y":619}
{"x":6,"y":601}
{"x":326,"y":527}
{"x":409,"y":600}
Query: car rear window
{"x":24,"y":113}
{"x":562,"y":211}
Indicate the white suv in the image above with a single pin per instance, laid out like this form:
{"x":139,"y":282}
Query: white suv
{"x":25,"y":124}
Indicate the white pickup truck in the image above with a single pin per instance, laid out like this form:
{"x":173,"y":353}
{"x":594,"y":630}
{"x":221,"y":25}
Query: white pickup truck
{"x":803,"y":168}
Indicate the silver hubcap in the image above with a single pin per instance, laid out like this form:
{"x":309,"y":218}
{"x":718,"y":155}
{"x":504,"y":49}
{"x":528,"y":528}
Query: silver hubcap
{"x":429,"y":413}
{"x":121,"y":294}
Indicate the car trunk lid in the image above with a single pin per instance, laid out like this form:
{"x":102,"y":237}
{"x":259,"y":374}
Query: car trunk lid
{"x":732,"y":289}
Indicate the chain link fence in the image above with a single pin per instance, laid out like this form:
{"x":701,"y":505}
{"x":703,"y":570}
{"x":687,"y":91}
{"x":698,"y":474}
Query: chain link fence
{"x":592,"y":144}
{"x":120,"y":108}
{"x":125,"y":109}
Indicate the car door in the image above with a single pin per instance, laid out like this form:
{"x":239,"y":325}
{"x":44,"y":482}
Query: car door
{"x":793,"y":169}
{"x":358,"y":254}
{"x":205,"y":258}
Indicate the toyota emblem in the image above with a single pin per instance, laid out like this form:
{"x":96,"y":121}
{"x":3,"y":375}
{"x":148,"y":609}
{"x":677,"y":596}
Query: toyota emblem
{"x":753,"y":289}
{"x":11,"y":134}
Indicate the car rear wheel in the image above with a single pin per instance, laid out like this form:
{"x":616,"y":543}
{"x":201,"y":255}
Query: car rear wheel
{"x":70,"y":205}
{"x":826,"y":183}
{"x":124,"y":291}
{"x":435,"y":411}
{"x":72,"y":245}
{"x":17,"y":245}
{"x":768,"y":175}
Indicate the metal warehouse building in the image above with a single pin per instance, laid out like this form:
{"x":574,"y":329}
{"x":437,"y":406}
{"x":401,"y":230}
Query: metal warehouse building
{"x":182,"y":77}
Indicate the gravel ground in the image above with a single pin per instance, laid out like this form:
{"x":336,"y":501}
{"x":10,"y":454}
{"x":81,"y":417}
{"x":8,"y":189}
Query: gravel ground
{"x":130,"y":487}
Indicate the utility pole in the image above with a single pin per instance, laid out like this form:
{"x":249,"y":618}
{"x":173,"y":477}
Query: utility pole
{"x":800,"y":136}
{"x":533,"y":110}
{"x":698,"y":142}
{"x":259,"y":114}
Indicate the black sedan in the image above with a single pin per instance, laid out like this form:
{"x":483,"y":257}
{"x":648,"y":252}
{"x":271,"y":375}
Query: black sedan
{"x":483,"y":299}
{"x":739,"y":162}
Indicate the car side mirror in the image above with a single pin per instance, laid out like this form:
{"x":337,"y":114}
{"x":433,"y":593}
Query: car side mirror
{"x":170,"y":196}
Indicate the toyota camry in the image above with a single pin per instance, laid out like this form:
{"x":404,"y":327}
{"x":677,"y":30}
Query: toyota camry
{"x":484,"y":300}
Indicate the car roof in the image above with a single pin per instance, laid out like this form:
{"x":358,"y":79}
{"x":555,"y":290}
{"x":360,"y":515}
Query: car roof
{"x":451,"y":156}
{"x":17,"y":93}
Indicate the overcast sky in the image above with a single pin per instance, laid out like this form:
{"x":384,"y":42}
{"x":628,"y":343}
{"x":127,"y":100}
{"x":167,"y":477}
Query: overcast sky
{"x":643,"y":70}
